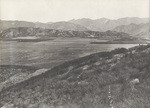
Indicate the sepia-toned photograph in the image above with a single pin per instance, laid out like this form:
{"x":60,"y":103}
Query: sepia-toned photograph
{"x":74,"y":54}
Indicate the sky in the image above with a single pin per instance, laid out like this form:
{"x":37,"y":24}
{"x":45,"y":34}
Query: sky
{"x":63,"y":10}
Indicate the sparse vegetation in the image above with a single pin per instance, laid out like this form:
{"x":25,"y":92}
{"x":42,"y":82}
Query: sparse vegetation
{"x":47,"y":33}
{"x":70,"y":86}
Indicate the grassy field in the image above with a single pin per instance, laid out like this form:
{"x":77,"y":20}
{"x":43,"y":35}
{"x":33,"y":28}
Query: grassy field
{"x":47,"y":54}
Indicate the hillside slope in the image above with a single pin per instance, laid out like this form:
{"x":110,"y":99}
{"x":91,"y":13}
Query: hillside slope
{"x":119,"y":78}
{"x":57,"y":25}
{"x":67,"y":26}
{"x":136,"y":30}
{"x":4,"y":24}
{"x":104,"y":24}
{"x":41,"y":32}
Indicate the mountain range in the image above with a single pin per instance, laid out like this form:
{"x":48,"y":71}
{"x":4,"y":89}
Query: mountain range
{"x":104,"y":24}
{"x":136,"y":30}
{"x":67,"y":26}
{"x":46,"y":33}
{"x":58,"y":25}
{"x":138,"y":27}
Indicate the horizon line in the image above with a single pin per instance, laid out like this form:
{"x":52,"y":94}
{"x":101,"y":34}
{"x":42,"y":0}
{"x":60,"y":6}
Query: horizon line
{"x":71,"y":19}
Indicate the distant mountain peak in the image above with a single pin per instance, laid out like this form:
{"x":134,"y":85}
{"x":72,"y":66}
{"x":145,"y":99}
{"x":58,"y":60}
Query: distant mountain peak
{"x":104,"y":24}
{"x":136,"y":30}
{"x":83,"y":24}
{"x":85,"y":19}
{"x":103,"y":18}
{"x":64,"y":25}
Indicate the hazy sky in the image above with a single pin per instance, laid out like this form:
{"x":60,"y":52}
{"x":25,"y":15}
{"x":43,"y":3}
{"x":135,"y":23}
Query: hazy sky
{"x":60,"y":10}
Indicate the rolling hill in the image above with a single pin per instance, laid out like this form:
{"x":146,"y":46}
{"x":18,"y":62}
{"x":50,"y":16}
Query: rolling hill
{"x":119,"y":78}
{"x":67,"y":26}
{"x":46,"y":33}
{"x":136,"y":30}
{"x":58,"y":25}
{"x":14,"y":24}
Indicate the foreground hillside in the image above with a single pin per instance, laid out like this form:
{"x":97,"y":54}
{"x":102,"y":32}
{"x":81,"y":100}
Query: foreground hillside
{"x":12,"y":74}
{"x":119,"y":78}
